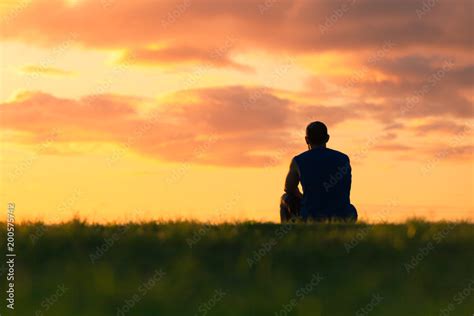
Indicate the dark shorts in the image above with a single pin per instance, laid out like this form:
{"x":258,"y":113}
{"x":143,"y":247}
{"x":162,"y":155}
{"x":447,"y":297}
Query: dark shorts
{"x":290,"y":210}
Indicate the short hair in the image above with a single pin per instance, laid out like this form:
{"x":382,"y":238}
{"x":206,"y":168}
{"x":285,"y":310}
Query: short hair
{"x":317,"y":133}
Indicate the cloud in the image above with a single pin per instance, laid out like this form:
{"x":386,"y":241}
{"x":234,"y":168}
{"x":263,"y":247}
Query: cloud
{"x":43,"y":70}
{"x":441,"y":126}
{"x":458,"y":153}
{"x":38,"y":112}
{"x":415,"y":87}
{"x":225,"y":126}
{"x":393,"y":147}
{"x":174,"y":56}
{"x":210,"y":126}
{"x":298,"y":26}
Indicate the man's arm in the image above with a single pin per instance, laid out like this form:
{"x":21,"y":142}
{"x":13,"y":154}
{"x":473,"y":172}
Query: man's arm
{"x":292,"y":180}
{"x":347,"y":182}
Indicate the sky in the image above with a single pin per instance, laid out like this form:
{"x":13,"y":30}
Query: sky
{"x":115,"y":110}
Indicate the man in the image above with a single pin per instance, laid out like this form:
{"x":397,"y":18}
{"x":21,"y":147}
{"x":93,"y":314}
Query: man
{"x":325,"y":176}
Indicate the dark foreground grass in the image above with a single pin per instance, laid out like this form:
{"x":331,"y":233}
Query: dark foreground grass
{"x":415,"y":268}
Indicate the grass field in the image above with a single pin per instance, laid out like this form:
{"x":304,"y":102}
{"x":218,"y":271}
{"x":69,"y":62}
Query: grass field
{"x":416,"y":268}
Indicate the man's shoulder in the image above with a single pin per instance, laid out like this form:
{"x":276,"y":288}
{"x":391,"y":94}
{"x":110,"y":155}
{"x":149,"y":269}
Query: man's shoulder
{"x":327,"y":151}
{"x":302,"y":155}
{"x":337,"y":153}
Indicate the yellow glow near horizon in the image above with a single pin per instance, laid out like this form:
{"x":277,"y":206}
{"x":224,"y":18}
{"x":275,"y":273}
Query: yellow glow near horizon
{"x":398,"y":162}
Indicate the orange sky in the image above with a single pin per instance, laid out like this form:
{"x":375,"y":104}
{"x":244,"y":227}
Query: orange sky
{"x":116,"y":110}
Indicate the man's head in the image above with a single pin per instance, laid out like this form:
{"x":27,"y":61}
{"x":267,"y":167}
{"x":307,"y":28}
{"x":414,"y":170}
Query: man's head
{"x":316,"y":134}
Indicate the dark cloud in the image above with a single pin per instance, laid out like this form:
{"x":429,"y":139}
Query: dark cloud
{"x":418,"y":87}
{"x":303,"y":25}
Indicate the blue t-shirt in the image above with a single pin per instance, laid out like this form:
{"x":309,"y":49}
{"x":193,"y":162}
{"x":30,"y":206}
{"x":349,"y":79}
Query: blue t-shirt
{"x":325,"y":175}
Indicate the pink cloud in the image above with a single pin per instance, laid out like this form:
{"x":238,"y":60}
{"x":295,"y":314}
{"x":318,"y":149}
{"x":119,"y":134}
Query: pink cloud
{"x":219,"y":122}
{"x":227,"y":126}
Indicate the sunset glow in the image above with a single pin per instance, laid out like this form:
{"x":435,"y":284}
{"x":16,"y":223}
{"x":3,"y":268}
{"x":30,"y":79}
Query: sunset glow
{"x":116,"y":110}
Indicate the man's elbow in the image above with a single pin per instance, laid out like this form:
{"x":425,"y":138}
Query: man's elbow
{"x":293,"y":192}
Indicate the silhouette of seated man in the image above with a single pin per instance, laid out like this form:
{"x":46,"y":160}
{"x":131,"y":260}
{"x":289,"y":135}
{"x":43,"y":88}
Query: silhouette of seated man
{"x":325,"y":176}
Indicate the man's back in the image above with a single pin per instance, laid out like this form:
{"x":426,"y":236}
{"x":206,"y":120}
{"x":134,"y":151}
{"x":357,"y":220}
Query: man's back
{"x":325,"y":176}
